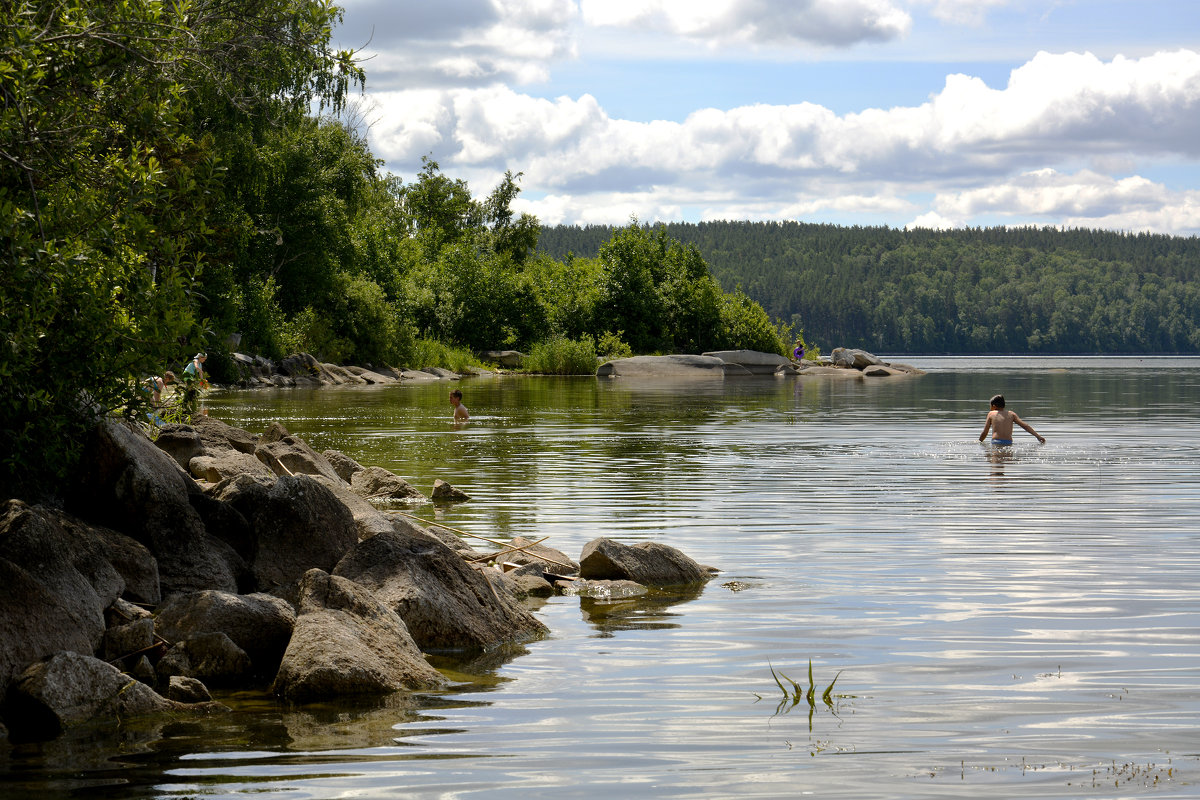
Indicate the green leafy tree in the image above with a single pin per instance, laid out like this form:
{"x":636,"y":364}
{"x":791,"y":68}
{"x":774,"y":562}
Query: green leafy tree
{"x":108,"y":180}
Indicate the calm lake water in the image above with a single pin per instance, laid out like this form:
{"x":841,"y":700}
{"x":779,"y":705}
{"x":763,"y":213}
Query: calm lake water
{"x":1014,"y":624}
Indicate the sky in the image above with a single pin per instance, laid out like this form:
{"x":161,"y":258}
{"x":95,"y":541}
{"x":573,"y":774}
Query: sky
{"x":905,"y":113}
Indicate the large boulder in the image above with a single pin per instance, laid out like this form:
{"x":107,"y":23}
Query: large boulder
{"x":348,"y":642}
{"x":259,"y":624}
{"x":757,"y":362}
{"x":127,"y":484}
{"x":342,"y":464}
{"x":377,"y":482}
{"x":58,"y":576}
{"x":296,"y":522}
{"x":445,"y":603}
{"x":673,"y":366}
{"x":228,"y":464}
{"x":211,"y":657}
{"x":647,"y":563}
{"x":70,"y":689}
{"x":288,"y":455}
{"x":218,"y":437}
{"x":852,"y":357}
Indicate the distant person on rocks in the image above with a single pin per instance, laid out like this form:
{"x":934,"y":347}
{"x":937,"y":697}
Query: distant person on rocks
{"x":460,"y":411}
{"x":1000,"y":420}
{"x":156,"y":386}
{"x":798,"y":351}
{"x":196,"y":367}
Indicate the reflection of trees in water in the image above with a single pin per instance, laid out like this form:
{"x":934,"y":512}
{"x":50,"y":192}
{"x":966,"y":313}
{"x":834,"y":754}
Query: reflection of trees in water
{"x":645,"y":612}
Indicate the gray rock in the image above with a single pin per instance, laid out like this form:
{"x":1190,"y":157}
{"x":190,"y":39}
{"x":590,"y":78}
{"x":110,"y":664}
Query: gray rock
{"x":228,"y":464}
{"x":444,"y":603}
{"x":348,"y":642}
{"x":218,"y":437}
{"x":379,"y":483}
{"x":259,"y":624}
{"x":297,"y":524}
{"x":342,"y":464}
{"x":505,"y":358}
{"x":674,"y":366}
{"x":906,"y":368}
{"x":757,"y":362}
{"x":181,"y":442}
{"x":368,"y":519}
{"x":881,"y":371}
{"x":445,"y":493}
{"x":128,"y":484}
{"x":122,"y":611}
{"x":58,"y":576}
{"x":211,"y":657}
{"x":851,"y":357}
{"x":343,"y":376}
{"x":69,"y":689}
{"x":132,"y":638}
{"x":647,"y":563}
{"x":288,"y":455}
{"x":183,"y":689}
{"x":372,"y":376}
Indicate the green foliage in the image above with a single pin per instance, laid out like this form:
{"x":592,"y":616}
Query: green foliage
{"x":659,"y":292}
{"x":745,"y":325}
{"x":611,"y":346}
{"x":424,"y":353}
{"x":1008,"y":290}
{"x":559,"y":355}
{"x":109,"y":179}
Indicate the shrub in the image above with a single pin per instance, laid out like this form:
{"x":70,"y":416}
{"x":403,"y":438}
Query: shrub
{"x":562,"y":356}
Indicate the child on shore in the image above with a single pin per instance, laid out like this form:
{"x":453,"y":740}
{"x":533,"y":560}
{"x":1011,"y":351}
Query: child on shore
{"x":1001,"y":422}
{"x":460,"y":411}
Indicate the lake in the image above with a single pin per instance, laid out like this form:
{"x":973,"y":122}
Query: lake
{"x":1012,"y":623}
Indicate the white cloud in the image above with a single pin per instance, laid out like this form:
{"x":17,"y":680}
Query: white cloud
{"x":1083,"y":199}
{"x":459,"y":42}
{"x":756,"y":22}
{"x":981,"y":150}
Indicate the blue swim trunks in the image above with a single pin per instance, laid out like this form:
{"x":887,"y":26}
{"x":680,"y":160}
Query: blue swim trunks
{"x":1002,"y":442}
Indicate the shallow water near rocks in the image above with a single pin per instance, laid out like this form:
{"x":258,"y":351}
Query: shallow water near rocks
{"x":1012,"y":623}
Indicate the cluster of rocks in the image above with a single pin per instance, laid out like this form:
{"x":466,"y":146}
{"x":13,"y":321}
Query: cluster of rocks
{"x":216,"y":558}
{"x":842,"y":362}
{"x":303,"y":369}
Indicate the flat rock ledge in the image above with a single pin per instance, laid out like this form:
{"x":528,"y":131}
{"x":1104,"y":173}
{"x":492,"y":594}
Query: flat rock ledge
{"x":721,"y":364}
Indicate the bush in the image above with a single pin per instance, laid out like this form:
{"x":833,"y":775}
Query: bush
{"x":562,"y":356}
{"x":426,"y":353}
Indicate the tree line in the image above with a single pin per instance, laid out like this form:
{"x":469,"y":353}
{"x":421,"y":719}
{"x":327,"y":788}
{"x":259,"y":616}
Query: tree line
{"x":1024,"y":290}
{"x":174,"y":173}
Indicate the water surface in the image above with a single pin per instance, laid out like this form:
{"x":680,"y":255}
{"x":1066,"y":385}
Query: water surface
{"x":1015,"y":623}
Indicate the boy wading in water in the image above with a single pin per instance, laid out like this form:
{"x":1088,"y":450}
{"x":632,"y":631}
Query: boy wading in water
{"x":460,"y":411}
{"x":1001,"y":421}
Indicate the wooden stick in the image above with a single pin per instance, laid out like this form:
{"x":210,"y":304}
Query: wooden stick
{"x":510,"y":549}
{"x":503,"y":545}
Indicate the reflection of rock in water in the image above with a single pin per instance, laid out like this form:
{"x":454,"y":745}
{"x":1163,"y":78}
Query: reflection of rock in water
{"x":478,"y":668}
{"x":646,"y":612}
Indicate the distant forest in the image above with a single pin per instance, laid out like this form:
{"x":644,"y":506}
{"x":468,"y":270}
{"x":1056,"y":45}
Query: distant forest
{"x":981,"y":290}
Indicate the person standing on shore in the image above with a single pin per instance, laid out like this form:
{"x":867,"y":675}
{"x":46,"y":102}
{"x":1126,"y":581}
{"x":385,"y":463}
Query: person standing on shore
{"x":1000,"y":420}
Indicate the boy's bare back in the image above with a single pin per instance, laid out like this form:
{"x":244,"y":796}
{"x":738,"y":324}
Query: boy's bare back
{"x":1000,"y":420}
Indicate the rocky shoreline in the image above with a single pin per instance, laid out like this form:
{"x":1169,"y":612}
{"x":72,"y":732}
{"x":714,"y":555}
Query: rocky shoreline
{"x":302,"y":369}
{"x":213,"y":557}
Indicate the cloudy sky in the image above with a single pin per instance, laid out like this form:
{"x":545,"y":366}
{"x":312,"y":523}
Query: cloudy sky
{"x":936,"y":113}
